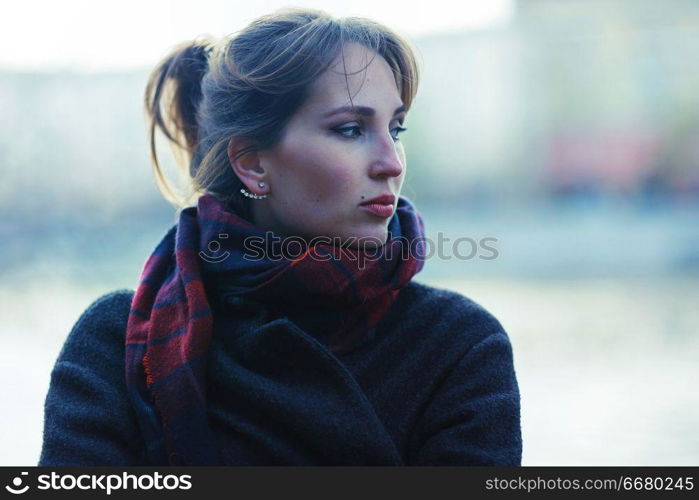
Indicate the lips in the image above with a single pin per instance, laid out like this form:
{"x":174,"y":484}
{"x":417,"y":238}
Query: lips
{"x":383,"y":211}
{"x":384,"y":199}
{"x":381,"y":206}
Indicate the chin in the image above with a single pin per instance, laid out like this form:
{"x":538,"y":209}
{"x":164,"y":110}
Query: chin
{"x":370,"y":239}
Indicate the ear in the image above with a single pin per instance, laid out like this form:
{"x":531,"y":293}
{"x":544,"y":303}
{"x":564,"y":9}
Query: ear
{"x":245,"y":162}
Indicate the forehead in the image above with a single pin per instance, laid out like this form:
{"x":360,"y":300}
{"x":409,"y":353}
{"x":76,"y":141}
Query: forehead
{"x":362,"y":74}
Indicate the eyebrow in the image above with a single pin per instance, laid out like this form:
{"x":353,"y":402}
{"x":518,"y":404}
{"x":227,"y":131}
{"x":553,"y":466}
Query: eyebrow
{"x":360,"y":110}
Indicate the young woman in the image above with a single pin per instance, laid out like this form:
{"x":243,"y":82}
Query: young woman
{"x":278,"y":322}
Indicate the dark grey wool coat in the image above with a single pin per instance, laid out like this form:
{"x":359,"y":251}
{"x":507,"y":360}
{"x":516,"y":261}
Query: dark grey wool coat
{"x":435,"y":385}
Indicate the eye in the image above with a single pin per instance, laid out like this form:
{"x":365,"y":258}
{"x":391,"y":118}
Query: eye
{"x":351,"y":132}
{"x":354,"y":131}
{"x":398,"y":130}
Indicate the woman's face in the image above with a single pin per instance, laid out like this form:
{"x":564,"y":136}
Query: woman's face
{"x":328,"y":161}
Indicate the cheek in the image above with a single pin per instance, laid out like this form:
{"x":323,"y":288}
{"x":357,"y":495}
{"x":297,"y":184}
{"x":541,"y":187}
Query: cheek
{"x":340,"y":178}
{"x":323,"y":169}
{"x":343,"y":174}
{"x":330,"y":184}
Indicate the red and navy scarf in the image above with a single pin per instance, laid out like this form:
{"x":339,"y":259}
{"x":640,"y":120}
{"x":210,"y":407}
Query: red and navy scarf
{"x":170,"y":323}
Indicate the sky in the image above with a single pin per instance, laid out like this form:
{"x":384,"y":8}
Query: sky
{"x":111,"y":35}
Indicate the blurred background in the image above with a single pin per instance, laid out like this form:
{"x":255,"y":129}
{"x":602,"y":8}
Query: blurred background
{"x":568,"y":130}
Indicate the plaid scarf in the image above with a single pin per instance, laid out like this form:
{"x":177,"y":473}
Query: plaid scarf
{"x":171,"y":322}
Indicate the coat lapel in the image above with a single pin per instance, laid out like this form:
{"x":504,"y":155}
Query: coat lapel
{"x":295,"y":400}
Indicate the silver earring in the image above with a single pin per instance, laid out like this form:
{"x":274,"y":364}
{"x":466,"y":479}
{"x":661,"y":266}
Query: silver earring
{"x":253,"y":195}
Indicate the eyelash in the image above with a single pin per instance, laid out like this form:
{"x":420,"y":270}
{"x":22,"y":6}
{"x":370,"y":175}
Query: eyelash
{"x":340,"y":131}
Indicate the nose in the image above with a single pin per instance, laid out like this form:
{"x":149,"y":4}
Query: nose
{"x":387,"y":159}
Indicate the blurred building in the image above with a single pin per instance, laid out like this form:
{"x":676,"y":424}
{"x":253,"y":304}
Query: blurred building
{"x":591,"y":97}
{"x":575,"y":98}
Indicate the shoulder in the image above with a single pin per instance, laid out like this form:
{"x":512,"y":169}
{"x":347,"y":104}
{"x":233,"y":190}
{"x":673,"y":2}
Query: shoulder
{"x":88,"y":419}
{"x":472,"y":416}
{"x":110,"y":308}
{"x":440,"y":326}
{"x":432,"y":296}
{"x":441,"y":309}
{"x":101,"y":325}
